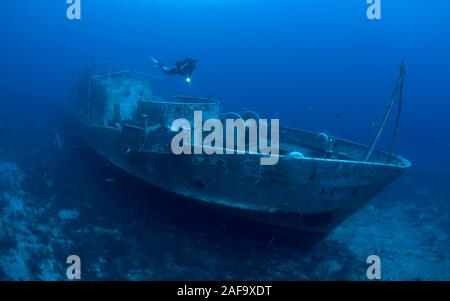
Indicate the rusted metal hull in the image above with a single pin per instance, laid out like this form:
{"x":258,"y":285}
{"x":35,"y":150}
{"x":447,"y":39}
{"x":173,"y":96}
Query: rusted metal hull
{"x":298,"y":195}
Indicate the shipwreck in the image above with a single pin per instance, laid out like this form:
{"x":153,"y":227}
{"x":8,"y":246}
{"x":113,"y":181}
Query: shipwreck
{"x":318,"y":181}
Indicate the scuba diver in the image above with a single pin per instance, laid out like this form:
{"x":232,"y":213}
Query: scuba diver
{"x":183,"y":68}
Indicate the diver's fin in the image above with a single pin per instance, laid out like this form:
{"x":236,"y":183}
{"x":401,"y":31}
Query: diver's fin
{"x":155,"y":61}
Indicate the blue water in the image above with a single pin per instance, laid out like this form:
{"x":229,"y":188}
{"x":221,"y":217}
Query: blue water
{"x":319,"y":65}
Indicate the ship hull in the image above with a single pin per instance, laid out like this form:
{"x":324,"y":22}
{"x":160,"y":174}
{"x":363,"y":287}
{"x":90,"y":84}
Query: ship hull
{"x":296,"y":198}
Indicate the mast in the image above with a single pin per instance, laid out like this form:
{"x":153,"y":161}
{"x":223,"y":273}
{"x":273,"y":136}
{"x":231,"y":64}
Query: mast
{"x":397,"y":94}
